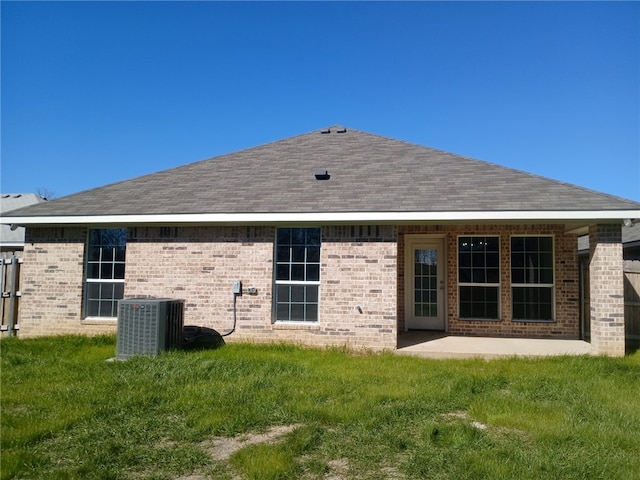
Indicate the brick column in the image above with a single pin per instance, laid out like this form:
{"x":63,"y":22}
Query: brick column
{"x":606,"y":279}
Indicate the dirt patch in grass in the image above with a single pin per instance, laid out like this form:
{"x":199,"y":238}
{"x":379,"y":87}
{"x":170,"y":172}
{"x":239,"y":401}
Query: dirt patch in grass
{"x":457,"y":414}
{"x":338,"y":469}
{"x":221,"y":448}
{"x":481,"y":426}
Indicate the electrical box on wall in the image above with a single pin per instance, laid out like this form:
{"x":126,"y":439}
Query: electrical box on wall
{"x":236,"y":287}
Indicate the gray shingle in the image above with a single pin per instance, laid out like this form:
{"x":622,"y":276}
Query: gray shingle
{"x":368,"y":173}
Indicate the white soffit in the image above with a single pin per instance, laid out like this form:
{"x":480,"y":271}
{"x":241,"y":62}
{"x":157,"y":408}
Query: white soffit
{"x":331,"y":217}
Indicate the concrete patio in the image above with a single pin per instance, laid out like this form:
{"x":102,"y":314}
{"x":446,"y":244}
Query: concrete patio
{"x":441,"y":345}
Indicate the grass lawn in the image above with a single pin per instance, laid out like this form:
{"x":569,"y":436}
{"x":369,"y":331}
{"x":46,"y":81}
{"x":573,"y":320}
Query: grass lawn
{"x":284,"y":412}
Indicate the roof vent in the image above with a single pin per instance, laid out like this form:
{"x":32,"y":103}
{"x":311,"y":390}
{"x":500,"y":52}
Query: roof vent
{"x":341,"y":130}
{"x":322,"y":175}
{"x":325,"y":131}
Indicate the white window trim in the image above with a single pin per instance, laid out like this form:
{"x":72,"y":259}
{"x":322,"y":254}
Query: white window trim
{"x":105,"y":280}
{"x":539,"y":285}
{"x":476,"y":284}
{"x":307,"y":324}
{"x":297,"y":282}
{"x":93,"y":319}
{"x":99,"y":321}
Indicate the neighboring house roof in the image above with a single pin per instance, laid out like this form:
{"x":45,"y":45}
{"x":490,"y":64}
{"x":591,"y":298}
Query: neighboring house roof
{"x":370,"y":178}
{"x":631,"y":235}
{"x":630,"y":238}
{"x":12,"y":201}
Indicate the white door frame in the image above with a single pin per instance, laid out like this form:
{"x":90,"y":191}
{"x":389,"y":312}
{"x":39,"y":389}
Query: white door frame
{"x":410,"y":244}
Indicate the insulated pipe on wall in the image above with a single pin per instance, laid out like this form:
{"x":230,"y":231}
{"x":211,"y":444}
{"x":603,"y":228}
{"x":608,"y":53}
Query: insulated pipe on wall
{"x":233,"y":329}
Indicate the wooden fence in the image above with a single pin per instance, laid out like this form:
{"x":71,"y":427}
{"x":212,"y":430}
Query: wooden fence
{"x":632,"y":300}
{"x":10,"y":304}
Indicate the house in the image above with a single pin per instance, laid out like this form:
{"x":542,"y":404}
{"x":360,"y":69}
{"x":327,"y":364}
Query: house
{"x":339,"y":237}
{"x":12,"y":241}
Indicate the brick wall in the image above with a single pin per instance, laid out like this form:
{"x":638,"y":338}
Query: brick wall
{"x":566,"y":324}
{"x":359,"y":270}
{"x":606,"y":286}
{"x":198,"y":265}
{"x":52,"y":275}
{"x":361,"y":266}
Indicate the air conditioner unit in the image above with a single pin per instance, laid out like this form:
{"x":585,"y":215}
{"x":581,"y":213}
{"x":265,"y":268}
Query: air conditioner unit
{"x":148,"y":326}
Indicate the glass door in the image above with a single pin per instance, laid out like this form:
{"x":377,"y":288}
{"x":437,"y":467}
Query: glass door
{"x":425,"y":285}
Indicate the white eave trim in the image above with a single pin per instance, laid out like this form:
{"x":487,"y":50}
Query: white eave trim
{"x":591,"y":216}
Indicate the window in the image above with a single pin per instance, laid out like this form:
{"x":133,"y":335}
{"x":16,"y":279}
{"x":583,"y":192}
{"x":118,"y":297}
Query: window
{"x":297,"y":274}
{"x":105,"y":272}
{"x":479,"y":277}
{"x":532,"y":278}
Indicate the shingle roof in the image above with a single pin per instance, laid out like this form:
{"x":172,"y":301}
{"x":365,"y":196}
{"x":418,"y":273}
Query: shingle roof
{"x":368,"y":173}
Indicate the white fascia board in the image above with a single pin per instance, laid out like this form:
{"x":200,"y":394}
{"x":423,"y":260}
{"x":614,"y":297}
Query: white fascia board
{"x":330,"y":217}
{"x":12,"y":244}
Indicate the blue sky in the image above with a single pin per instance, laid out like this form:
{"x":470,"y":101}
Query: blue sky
{"x":98,"y":92}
